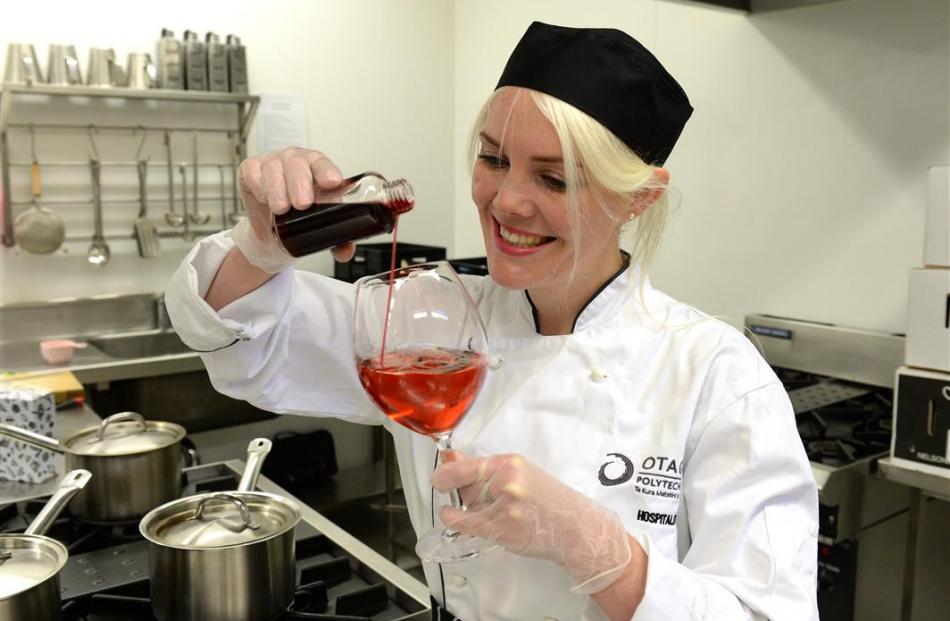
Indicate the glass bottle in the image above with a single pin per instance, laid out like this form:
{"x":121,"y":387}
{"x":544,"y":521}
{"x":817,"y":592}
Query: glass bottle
{"x":363,"y":206}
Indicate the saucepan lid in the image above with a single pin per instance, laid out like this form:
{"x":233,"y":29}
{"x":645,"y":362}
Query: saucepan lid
{"x":224,"y":519}
{"x":125,"y":433}
{"x":220,"y":520}
{"x":29,"y":559}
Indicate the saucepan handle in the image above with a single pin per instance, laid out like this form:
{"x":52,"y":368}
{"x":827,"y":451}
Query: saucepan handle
{"x":235,"y":500}
{"x":30,"y":437}
{"x":257,"y":450}
{"x":74,"y":481}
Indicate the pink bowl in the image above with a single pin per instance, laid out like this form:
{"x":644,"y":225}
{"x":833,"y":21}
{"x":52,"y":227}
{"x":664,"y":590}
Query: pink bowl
{"x":58,"y":351}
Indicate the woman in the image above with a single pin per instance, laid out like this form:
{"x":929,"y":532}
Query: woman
{"x":634,"y":458}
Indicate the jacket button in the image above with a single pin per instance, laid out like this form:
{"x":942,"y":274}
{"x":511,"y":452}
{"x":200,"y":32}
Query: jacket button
{"x":459,"y":580}
{"x":495,"y":362}
{"x":597,"y":374}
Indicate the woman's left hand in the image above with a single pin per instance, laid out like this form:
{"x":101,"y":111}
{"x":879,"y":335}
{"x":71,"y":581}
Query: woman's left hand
{"x":520,"y":506}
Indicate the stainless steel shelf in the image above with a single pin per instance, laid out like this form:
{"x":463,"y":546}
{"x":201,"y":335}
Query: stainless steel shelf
{"x":115,"y":164}
{"x":129,"y":93}
{"x":82,"y":202}
{"x":931,"y":484}
{"x":246,"y":109}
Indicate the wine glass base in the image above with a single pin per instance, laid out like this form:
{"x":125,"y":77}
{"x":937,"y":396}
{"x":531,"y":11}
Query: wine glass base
{"x":445,"y":546}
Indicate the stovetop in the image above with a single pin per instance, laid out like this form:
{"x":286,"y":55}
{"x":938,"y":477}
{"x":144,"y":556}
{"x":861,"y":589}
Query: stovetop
{"x":839,"y":422}
{"x":338,"y":577}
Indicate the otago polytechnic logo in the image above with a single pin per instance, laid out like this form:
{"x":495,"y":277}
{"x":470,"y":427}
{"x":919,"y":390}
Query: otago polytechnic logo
{"x":657,"y":475}
{"x":618,"y":470}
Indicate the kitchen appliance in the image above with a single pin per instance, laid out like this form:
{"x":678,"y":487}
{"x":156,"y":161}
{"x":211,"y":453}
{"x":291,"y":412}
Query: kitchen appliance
{"x":217,"y":63}
{"x":107,"y":575}
{"x":30,"y":563}
{"x":237,"y":65}
{"x":169,"y":59}
{"x":195,"y":62}
{"x":63,"y":68}
{"x":22,"y":67}
{"x":922,"y":421}
{"x":840,"y":382}
{"x":134,"y":463}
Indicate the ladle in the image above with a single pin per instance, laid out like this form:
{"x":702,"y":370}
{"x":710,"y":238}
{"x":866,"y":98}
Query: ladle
{"x":99,"y":250}
{"x":235,"y":216}
{"x":172,"y":217}
{"x":196,"y":217}
{"x":187,"y":235}
{"x":38,"y":230}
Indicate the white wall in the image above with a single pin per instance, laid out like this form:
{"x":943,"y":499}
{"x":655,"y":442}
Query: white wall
{"x":377,"y":80}
{"x":803,"y":169}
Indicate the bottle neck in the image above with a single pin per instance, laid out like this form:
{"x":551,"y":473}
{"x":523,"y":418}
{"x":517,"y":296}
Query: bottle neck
{"x":398,"y":195}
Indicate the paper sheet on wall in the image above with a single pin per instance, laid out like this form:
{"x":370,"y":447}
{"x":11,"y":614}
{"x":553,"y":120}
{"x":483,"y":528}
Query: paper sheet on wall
{"x":282,"y":122}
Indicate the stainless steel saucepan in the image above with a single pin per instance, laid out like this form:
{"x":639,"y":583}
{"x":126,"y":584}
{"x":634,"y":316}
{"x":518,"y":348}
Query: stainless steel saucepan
{"x":30,"y":563}
{"x":134,"y":464}
{"x":223,"y":556}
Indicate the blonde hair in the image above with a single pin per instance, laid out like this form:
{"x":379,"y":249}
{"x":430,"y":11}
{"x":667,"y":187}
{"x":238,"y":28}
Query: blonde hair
{"x":595,"y":157}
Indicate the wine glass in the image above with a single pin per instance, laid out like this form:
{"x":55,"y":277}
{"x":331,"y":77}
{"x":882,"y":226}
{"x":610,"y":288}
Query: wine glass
{"x":421,"y":352}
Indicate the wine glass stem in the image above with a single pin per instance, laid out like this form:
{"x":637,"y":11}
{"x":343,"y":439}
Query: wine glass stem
{"x":444,"y":442}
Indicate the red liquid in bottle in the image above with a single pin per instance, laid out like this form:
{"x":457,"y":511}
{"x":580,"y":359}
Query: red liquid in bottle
{"x":426,"y":390}
{"x":324,"y":225}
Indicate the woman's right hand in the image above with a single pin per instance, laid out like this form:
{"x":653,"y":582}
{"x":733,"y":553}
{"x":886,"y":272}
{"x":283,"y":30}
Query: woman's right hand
{"x":274,"y":183}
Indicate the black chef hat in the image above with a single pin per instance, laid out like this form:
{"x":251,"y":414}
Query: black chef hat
{"x":610,"y":76}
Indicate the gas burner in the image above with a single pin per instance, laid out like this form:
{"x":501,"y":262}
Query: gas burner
{"x":839,"y":423}
{"x":831,"y":452}
{"x":793,"y":380}
{"x":106,"y":577}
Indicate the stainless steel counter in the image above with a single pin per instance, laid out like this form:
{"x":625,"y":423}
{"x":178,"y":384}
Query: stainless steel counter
{"x":92,"y":365}
{"x":128,"y":337}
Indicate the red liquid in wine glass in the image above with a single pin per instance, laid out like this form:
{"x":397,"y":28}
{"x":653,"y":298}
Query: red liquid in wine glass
{"x":426,"y":390}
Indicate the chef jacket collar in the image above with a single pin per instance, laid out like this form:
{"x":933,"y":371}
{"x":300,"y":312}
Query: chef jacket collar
{"x":612,"y":289}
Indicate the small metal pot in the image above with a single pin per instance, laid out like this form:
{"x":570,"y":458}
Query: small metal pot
{"x":30,"y":563}
{"x":224,"y":556}
{"x":134,"y":464}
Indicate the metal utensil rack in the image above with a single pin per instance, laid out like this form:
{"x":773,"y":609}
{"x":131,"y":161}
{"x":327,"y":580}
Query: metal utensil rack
{"x":245,"y":110}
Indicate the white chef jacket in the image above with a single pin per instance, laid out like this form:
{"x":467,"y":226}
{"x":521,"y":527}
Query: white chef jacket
{"x":668,"y":417}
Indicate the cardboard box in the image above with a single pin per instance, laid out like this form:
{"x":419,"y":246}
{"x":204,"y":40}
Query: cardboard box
{"x":937,"y":225}
{"x":63,"y":384}
{"x":928,"y":319}
{"x":31,"y":408}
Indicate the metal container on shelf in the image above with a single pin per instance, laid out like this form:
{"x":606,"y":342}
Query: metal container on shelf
{"x":237,"y":65}
{"x":140,"y":71}
{"x":169,"y":60}
{"x":63,"y":67}
{"x":195,"y":63}
{"x":217,"y":63}
{"x":103,"y":71}
{"x":22,"y":66}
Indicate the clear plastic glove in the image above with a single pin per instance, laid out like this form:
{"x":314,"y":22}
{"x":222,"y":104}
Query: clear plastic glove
{"x":272,"y":184}
{"x":520,"y":506}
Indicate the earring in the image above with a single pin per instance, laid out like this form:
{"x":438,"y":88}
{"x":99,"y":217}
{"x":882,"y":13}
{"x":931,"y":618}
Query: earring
{"x":631,"y":217}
